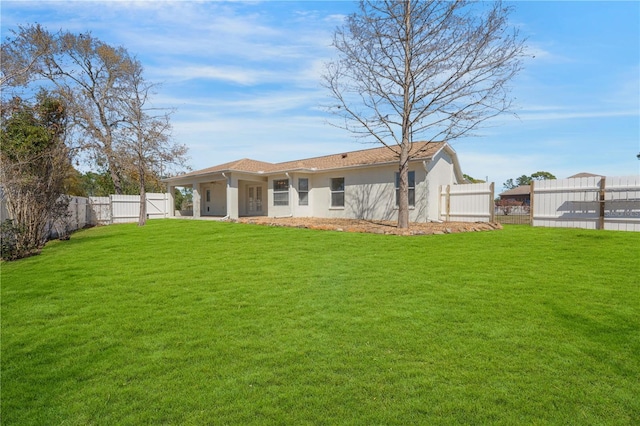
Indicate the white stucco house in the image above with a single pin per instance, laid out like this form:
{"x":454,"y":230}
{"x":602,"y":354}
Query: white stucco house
{"x":357,"y":184}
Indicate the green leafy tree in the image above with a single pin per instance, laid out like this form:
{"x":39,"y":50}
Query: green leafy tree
{"x":523,"y":180}
{"x":542,"y":176}
{"x":472,"y":179}
{"x":526,"y":180}
{"x":34,"y":164}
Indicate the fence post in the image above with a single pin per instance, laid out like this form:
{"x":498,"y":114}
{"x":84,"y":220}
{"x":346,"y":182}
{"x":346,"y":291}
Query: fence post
{"x":601,"y":199}
{"x":448,"y":203}
{"x":492,"y":203}
{"x":531,"y":200}
{"x":110,"y":209}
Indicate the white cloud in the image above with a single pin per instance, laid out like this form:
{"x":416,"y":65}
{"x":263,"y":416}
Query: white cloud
{"x":574,"y":114}
{"x":243,"y":76}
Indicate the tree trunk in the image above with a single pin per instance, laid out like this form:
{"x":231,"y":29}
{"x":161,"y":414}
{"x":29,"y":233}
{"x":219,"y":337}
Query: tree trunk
{"x":117,"y":183}
{"x":403,"y":201}
{"x":403,"y":189}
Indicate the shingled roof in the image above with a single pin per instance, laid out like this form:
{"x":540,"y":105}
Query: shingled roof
{"x":518,"y":190}
{"x":372,"y":156}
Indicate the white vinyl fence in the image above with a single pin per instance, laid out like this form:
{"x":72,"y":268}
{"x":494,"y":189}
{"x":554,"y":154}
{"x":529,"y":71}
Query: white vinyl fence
{"x":592,"y":203}
{"x":106,"y":210}
{"x":126,"y":208}
{"x":467,"y":203}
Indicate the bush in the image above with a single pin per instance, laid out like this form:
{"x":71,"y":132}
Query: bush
{"x":10,"y":247}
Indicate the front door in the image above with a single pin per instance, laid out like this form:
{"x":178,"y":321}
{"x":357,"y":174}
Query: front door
{"x":254,"y":201}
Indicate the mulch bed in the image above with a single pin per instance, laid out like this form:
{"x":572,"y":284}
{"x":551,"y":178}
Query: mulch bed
{"x":374,"y":227}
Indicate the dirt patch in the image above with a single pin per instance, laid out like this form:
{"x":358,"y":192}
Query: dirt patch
{"x":372,"y":226}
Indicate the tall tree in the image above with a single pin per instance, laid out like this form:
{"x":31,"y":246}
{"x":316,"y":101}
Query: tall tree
{"x":34,"y":163}
{"x":93,"y":78}
{"x":434,"y":70}
{"x":147,"y":148}
{"x":21,"y":55}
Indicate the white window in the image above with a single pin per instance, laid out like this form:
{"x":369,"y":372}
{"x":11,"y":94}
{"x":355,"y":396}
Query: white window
{"x":412,"y":188}
{"x":337,"y":192}
{"x":303,"y":191}
{"x":281,"y":192}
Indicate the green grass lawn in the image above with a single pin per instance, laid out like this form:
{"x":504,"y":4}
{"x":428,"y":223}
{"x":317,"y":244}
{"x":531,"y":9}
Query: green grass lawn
{"x":195,"y":322}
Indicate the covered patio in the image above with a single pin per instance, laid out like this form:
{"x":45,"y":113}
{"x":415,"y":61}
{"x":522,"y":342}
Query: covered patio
{"x":223,"y":195}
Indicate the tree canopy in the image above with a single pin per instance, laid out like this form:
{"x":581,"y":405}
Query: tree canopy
{"x":102,"y":86}
{"x":526,"y":180}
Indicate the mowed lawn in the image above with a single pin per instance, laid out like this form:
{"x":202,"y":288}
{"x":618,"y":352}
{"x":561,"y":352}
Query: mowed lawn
{"x":194,"y":322}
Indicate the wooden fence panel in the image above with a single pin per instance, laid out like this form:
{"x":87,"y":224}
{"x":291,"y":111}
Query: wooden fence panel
{"x":588,"y":203}
{"x":467,"y":202}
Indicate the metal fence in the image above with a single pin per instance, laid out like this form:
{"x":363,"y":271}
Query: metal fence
{"x":513,"y":215}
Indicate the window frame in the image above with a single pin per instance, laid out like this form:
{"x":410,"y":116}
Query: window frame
{"x":336,"y":192}
{"x":303,"y":200}
{"x":279,"y":198}
{"x":411,"y":175}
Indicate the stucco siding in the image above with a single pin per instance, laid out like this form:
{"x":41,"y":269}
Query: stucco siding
{"x":217,"y":204}
{"x":278,"y":211}
{"x":441,"y":172}
{"x":369,"y":193}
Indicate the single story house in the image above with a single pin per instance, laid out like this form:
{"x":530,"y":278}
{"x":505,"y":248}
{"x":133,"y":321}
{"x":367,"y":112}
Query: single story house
{"x":520,"y":194}
{"x":357,"y":185}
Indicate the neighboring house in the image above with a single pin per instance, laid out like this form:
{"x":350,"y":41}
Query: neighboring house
{"x":520,"y":194}
{"x":358,"y":185}
{"x":583,"y":175}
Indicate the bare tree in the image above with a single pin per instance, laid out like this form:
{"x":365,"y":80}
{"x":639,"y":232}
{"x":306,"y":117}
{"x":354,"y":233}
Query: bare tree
{"x":21,"y":55}
{"x":147,"y":148}
{"x":434,"y":70}
{"x":89,"y":74}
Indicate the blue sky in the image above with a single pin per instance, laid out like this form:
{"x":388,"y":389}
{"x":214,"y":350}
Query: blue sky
{"x":245,"y":80}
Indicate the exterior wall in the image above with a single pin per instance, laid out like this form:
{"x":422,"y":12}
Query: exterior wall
{"x":217,"y":204}
{"x":279,"y":211}
{"x":441,"y":173}
{"x":369,"y":192}
{"x":298,"y":210}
